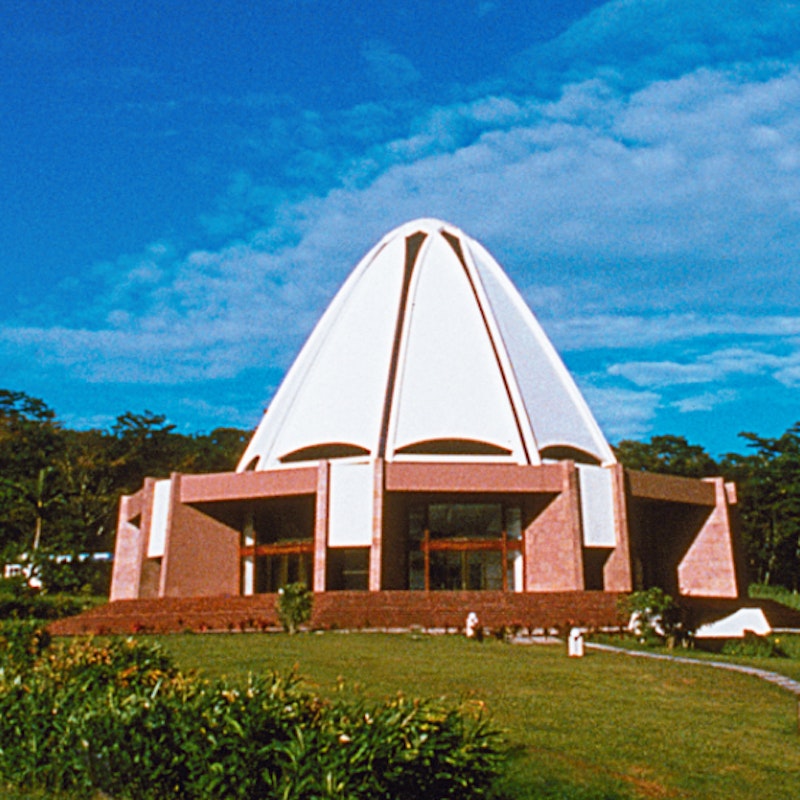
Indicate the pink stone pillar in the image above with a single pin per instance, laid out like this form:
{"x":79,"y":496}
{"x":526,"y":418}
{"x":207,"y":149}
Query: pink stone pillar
{"x":321,"y":526}
{"x":618,"y":573}
{"x":127,"y":569}
{"x":709,"y":568}
{"x":376,"y":550}
{"x":554,"y":542}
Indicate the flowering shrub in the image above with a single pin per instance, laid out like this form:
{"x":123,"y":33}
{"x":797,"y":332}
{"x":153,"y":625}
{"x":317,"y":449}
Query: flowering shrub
{"x":21,"y":642}
{"x":116,"y":717}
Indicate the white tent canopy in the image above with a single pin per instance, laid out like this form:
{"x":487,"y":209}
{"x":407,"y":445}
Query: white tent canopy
{"x":427,"y":351}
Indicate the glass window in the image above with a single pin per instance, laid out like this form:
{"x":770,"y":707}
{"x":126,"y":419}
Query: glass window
{"x":465,"y":547}
{"x":274,"y":571}
{"x":347,"y":569}
{"x":473,"y":570}
{"x":465,"y":520}
{"x":514,"y":522}
{"x":417,"y":519}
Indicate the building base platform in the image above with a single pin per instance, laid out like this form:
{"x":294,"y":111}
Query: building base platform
{"x":438,"y":610}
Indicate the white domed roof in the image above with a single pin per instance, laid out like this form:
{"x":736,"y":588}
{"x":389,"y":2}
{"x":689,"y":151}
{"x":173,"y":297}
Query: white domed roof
{"x":427,"y":352}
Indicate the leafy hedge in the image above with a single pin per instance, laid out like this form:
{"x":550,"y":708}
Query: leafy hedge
{"x":117,"y":717}
{"x":42,"y":606}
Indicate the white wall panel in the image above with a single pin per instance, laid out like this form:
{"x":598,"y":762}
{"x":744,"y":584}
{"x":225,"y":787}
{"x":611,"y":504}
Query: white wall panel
{"x":597,"y":506}
{"x":351,"y":505}
{"x":162,"y":492}
{"x":341,"y":393}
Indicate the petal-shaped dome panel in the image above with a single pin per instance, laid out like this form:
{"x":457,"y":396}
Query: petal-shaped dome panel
{"x":449,"y":380}
{"x":557,"y":412}
{"x":426,"y":344}
{"x":335,"y":390}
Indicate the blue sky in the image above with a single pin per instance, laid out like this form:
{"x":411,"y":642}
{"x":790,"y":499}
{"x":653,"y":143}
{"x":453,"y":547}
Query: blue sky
{"x":185,"y":186}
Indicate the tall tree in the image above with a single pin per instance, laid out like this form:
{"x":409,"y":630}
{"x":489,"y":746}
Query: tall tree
{"x":90,"y":493}
{"x":671,"y":455}
{"x":30,"y":442}
{"x":768,"y":481}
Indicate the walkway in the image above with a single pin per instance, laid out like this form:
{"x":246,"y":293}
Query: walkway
{"x":765,"y":675}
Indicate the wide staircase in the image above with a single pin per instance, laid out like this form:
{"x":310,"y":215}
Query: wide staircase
{"x":445,"y":611}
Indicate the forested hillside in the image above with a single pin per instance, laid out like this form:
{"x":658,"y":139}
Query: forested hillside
{"x":59,"y":487}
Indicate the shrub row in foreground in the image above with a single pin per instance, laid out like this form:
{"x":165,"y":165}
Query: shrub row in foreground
{"x":118,"y":718}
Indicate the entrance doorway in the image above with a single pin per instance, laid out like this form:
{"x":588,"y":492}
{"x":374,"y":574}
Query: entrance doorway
{"x":465,"y":546}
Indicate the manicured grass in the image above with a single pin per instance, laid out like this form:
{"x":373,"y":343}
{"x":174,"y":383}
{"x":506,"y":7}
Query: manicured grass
{"x":789,"y":643}
{"x":605,"y":726}
{"x":778,"y":593}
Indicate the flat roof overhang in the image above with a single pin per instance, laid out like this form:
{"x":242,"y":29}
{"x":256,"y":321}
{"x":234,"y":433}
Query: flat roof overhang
{"x":474,"y":478}
{"x":670,"y":488}
{"x":225,"y":495}
{"x":231,"y":486}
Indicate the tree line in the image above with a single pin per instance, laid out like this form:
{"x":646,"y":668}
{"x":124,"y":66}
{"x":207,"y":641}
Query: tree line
{"x":59,"y":488}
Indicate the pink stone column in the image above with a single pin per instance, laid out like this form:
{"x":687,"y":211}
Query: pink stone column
{"x":376,"y":550}
{"x":554,"y":542}
{"x":709,"y":568}
{"x":618,"y":573}
{"x":321,"y":526}
{"x":127,"y":567}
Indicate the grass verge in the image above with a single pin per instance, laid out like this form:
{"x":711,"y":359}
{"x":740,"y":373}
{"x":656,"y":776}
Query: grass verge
{"x":605,"y":726}
{"x":778,"y":593}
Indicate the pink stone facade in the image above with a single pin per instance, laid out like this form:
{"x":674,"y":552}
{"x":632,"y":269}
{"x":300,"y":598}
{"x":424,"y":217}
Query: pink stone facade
{"x":676,"y":533}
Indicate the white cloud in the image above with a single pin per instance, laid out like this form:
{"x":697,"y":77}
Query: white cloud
{"x":612,"y":331}
{"x":664,"y":373}
{"x":710,"y":368}
{"x":390,"y":70}
{"x":664,"y":217}
{"x":623,"y":413}
{"x":789,"y":374}
{"x":707,"y":401}
{"x":642,"y":40}
{"x":592,"y":178}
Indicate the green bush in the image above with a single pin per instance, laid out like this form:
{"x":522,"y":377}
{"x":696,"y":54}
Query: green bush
{"x":780,"y":594}
{"x":41,"y":606}
{"x":16,"y":586}
{"x":118,"y":718}
{"x":21,"y":643}
{"x":751,"y":645}
{"x":789,"y":644}
{"x":294,"y":605}
{"x":655,"y":617}
{"x":75,"y":576}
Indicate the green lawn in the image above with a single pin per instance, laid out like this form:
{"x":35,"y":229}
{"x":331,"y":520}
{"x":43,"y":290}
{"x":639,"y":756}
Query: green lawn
{"x":611,"y":725}
{"x":780,"y":593}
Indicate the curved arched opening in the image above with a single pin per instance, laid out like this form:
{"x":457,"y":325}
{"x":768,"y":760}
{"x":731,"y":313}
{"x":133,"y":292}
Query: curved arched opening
{"x":565,"y":452}
{"x":321,"y":452}
{"x":453,"y":447}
